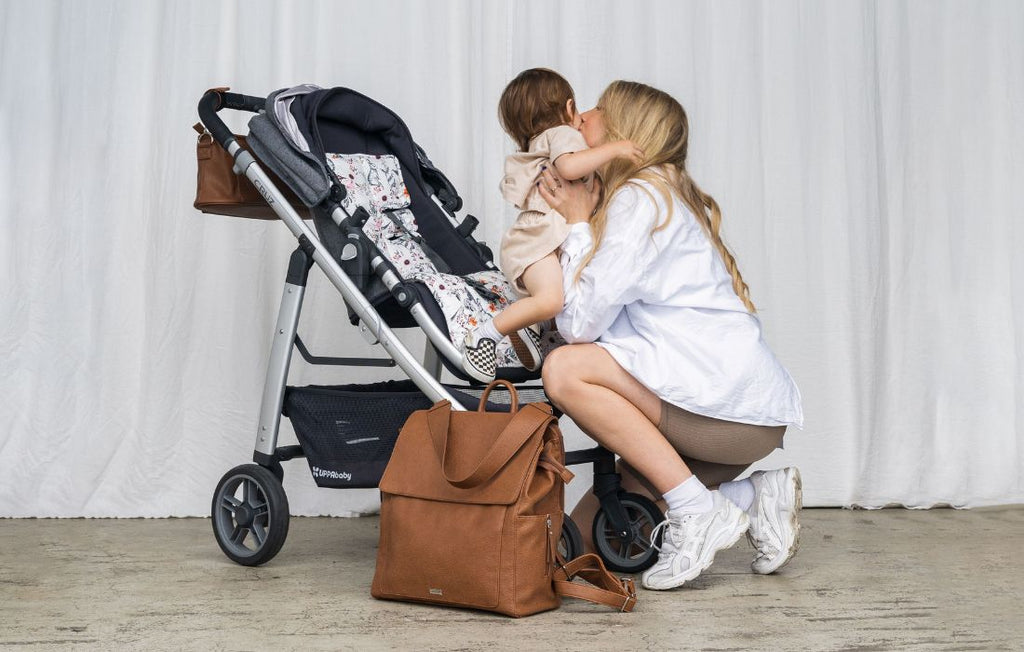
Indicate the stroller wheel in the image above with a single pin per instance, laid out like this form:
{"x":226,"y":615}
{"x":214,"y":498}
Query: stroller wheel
{"x":570,"y":544}
{"x":250,"y":514}
{"x":636,"y":553}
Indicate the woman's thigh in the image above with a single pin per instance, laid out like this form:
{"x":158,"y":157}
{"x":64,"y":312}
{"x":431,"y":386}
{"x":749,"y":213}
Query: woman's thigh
{"x":717,"y":441}
{"x":592,"y":364}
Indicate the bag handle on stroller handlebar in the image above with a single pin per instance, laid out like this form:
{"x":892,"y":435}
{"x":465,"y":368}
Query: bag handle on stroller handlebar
{"x":513,"y":396}
{"x":216,"y":99}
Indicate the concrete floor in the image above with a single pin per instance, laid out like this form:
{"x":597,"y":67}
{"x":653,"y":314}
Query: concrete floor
{"x":866,"y":580}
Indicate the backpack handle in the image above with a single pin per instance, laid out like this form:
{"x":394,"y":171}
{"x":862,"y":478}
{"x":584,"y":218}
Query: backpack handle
{"x":512,"y":438}
{"x":513,"y":396}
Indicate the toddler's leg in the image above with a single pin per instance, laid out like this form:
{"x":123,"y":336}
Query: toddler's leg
{"x":521,"y":320}
{"x":544,"y":281}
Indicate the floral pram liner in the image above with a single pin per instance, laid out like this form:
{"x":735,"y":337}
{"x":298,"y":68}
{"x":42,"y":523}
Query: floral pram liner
{"x":376,"y":183}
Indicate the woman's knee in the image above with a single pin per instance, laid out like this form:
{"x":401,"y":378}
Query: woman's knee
{"x":557,"y":373}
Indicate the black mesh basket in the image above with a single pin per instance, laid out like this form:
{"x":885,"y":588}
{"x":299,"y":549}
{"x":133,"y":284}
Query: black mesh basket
{"x":348,"y":431}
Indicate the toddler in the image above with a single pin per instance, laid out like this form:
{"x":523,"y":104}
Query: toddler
{"x":538,"y":110}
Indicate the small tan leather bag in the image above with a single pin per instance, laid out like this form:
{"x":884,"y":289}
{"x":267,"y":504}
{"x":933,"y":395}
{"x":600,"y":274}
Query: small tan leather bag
{"x":222,"y":192}
{"x":471,"y":514}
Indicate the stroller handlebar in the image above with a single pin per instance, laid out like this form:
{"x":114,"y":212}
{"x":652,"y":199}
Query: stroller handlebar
{"x":216,"y":99}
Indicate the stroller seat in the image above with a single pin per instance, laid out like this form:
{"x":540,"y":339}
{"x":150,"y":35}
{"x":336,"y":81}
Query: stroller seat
{"x":368,"y":160}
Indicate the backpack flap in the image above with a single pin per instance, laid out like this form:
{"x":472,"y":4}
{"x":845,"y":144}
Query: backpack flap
{"x":466,"y":457}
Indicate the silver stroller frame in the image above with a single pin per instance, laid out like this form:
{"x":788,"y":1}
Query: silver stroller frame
{"x":262,"y":511}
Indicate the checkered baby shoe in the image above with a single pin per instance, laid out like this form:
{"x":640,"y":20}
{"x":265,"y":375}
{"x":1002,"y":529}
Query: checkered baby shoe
{"x":479,"y":360}
{"x":526,"y":343}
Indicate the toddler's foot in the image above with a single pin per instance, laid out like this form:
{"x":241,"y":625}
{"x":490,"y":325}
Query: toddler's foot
{"x":774,"y":524}
{"x":479,"y":357}
{"x":526,"y":342}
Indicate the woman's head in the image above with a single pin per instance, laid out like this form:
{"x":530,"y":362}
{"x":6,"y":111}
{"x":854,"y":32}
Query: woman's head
{"x":652,"y":119}
{"x":657,"y":124}
{"x":537,"y":99}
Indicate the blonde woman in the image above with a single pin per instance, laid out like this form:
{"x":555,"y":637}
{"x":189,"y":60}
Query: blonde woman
{"x":666,"y":364}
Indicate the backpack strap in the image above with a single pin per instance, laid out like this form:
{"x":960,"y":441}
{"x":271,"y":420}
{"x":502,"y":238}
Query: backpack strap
{"x":604,"y":588}
{"x":556,"y":467}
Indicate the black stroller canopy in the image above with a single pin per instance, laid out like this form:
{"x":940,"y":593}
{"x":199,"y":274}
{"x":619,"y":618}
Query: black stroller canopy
{"x":343,"y":121}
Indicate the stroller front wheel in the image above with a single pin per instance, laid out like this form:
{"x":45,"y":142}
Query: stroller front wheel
{"x":250,"y":514}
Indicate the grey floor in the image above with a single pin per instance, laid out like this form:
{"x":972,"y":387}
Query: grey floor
{"x":867,"y":580}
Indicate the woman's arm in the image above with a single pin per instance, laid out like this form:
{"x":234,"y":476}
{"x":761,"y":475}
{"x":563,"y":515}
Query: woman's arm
{"x":576,"y":165}
{"x":615,"y":275}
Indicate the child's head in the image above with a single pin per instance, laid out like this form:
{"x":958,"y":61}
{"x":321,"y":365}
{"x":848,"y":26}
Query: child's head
{"x":537,"y":99}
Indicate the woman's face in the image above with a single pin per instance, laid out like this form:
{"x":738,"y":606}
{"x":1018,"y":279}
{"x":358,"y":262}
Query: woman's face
{"x":593,"y":127}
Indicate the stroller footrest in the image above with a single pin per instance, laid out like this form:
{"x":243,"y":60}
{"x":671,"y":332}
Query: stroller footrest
{"x":345,"y":362}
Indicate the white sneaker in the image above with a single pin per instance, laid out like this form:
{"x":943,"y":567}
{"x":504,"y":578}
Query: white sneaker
{"x":774,"y":522}
{"x":690,"y":542}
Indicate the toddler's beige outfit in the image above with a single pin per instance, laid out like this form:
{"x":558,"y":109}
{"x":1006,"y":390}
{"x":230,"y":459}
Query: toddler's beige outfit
{"x":538,"y":230}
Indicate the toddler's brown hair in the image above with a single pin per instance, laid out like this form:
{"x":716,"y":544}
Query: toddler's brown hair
{"x":532,"y":102}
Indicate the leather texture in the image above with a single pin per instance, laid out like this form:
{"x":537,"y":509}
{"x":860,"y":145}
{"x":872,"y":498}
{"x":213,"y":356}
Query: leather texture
{"x":219,"y":190}
{"x":471,"y":514}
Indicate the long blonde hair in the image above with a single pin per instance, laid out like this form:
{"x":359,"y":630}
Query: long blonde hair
{"x":657,"y":124}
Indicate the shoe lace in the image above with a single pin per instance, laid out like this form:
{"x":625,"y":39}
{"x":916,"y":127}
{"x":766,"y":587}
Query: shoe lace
{"x":673,"y":530}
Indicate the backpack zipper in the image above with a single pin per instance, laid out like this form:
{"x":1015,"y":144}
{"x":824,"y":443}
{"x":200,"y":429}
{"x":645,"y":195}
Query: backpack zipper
{"x":549,"y":561}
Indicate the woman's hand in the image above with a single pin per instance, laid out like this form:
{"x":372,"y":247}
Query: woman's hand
{"x":570,"y":198}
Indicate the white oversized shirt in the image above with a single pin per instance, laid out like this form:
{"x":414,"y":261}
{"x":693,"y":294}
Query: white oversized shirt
{"x":662,"y":304}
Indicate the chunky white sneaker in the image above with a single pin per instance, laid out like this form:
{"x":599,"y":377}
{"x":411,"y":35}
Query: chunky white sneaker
{"x":479,"y":360}
{"x":774,"y":522}
{"x":526,"y":342}
{"x":690,"y":542}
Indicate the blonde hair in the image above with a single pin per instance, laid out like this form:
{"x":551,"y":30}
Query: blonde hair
{"x":657,"y":124}
{"x":533,"y":102}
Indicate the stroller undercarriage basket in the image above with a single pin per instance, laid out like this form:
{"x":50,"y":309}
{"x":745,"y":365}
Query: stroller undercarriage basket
{"x":349,"y":431}
{"x":393,"y":279}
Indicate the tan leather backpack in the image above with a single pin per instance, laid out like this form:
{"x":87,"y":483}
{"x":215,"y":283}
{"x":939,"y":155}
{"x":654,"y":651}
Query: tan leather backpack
{"x":471,"y":514}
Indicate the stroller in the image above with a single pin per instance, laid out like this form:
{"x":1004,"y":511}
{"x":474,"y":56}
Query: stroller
{"x":387,"y":237}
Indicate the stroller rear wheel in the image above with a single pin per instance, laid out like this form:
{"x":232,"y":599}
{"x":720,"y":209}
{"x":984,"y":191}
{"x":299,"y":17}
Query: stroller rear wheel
{"x":634,"y":552}
{"x":250,"y":514}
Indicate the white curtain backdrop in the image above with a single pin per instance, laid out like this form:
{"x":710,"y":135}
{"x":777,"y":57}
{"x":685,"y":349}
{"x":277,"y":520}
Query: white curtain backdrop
{"x":867,"y":157}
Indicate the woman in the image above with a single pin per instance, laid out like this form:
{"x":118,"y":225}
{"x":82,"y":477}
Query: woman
{"x":666,"y":365}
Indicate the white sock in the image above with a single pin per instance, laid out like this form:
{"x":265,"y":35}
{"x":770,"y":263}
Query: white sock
{"x":690,"y":497}
{"x":740,"y":493}
{"x":487,"y":330}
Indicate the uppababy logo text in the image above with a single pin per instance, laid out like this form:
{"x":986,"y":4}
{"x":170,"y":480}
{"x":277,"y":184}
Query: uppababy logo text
{"x":333,"y":475}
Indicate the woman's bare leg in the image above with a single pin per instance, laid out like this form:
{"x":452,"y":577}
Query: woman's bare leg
{"x":544,"y":281}
{"x":615,"y":409}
